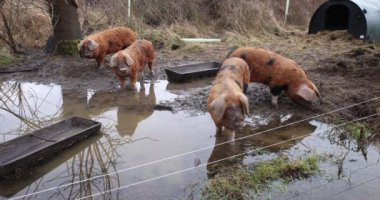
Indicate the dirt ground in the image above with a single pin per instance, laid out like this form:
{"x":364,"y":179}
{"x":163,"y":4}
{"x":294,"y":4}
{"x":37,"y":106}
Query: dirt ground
{"x":345,"y":70}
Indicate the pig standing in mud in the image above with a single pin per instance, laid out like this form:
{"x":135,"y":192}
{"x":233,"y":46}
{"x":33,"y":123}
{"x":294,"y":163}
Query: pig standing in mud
{"x":98,"y":45}
{"x":279,"y":73}
{"x":130,"y":62}
{"x":226,"y":102}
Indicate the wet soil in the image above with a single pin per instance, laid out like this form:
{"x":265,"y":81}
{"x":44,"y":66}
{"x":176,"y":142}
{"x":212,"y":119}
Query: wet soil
{"x":345,"y":70}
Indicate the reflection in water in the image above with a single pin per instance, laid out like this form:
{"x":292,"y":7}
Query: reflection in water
{"x":256,"y":141}
{"x":190,"y":85}
{"x":74,"y":103}
{"x":28,"y":103}
{"x":25,"y":107}
{"x":132,"y":107}
{"x":220,"y":152}
{"x":341,"y":137}
{"x":280,"y":135}
{"x":128,"y":116}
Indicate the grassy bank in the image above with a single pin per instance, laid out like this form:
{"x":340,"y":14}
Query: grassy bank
{"x":243,"y":182}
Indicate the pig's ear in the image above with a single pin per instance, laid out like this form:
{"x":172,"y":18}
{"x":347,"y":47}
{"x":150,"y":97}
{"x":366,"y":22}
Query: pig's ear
{"x":128,"y":59}
{"x":92,"y":45}
{"x":244,"y":102}
{"x":247,"y":75}
{"x":80,"y":45}
{"x":218,"y":106}
{"x":315,"y":89}
{"x":307,"y":93}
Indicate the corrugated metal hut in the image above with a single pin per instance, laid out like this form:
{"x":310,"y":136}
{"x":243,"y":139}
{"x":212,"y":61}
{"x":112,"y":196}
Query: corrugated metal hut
{"x":360,"y":17}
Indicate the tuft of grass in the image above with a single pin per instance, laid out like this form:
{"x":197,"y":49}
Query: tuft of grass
{"x":238,"y":184}
{"x":7,"y":59}
{"x":359,"y":131}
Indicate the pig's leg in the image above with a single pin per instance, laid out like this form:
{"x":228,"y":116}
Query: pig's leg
{"x":100,"y":59}
{"x":150,"y":65}
{"x":219,"y":130}
{"x":245,"y":88}
{"x":151,"y":69}
{"x":275,"y":101}
{"x":142,"y":87}
{"x":121,"y":81}
{"x":141,"y":76}
{"x":231,"y":137}
{"x":276,"y":92}
{"x":133,"y":81}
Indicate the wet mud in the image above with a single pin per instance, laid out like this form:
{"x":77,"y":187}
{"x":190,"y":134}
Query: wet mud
{"x":161,"y":119}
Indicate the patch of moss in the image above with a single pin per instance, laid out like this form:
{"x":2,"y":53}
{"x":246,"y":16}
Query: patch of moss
{"x":67,"y":47}
{"x":238,"y":184}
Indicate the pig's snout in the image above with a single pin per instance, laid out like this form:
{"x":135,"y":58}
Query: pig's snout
{"x":125,"y":68}
{"x":81,"y":54}
{"x":234,"y":118}
{"x":238,"y":124}
{"x":85,"y":53}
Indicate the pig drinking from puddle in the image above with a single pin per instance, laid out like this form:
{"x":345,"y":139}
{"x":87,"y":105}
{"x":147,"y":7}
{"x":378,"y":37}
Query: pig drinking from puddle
{"x":226,"y":102}
{"x":279,"y":73}
{"x":131,"y":61}
{"x":98,"y":45}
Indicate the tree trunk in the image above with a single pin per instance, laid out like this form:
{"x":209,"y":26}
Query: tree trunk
{"x":65,"y":23}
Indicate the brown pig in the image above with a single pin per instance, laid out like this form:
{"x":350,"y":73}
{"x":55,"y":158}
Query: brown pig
{"x":130,"y":62}
{"x":98,"y":45}
{"x":279,"y":73}
{"x":226,"y":102}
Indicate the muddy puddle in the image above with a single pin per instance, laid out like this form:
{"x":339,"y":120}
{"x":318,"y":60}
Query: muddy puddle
{"x":138,"y":145}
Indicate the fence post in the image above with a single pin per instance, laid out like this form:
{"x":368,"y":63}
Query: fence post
{"x":286,"y":10}
{"x":129,"y":8}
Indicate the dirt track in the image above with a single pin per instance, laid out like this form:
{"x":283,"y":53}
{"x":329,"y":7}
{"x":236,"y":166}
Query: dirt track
{"x":345,"y":70}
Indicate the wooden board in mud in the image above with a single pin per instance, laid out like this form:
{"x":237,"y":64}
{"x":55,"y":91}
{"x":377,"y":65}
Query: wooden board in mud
{"x":25,"y":151}
{"x":185,"y":73}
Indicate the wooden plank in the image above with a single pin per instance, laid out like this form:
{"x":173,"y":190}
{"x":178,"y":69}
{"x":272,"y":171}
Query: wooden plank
{"x":19,"y":70}
{"x":30,"y":149}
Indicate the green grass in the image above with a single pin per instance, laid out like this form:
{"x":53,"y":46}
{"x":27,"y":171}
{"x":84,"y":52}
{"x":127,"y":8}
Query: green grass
{"x":242,"y":182}
{"x":7,"y":59}
{"x":359,"y":131}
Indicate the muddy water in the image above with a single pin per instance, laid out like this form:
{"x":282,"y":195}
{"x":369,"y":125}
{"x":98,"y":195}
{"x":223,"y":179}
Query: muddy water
{"x":134,"y":134}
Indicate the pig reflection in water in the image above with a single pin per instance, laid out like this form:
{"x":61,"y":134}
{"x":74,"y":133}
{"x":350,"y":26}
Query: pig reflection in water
{"x":133,"y":107}
{"x":256,"y":141}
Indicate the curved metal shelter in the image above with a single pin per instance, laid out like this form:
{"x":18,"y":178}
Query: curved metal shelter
{"x":360,"y":17}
